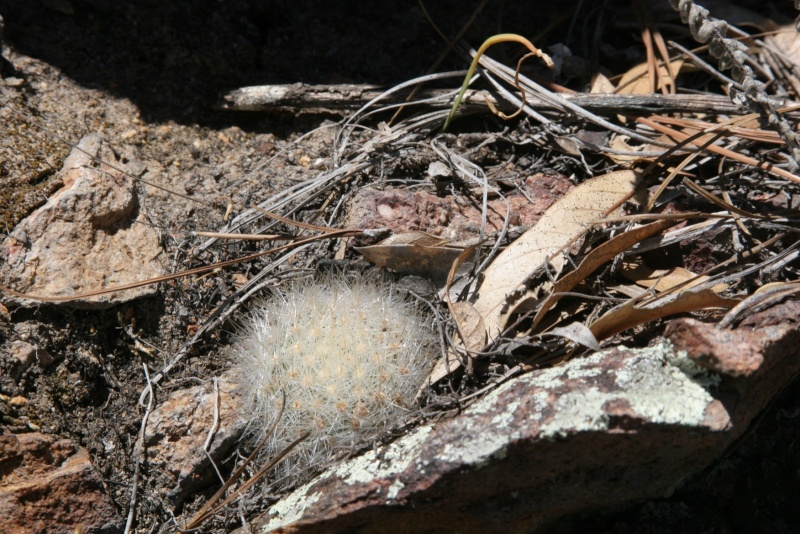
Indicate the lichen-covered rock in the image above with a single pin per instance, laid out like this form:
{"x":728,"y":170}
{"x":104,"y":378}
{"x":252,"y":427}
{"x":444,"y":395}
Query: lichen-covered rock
{"x":92,"y":234}
{"x":49,"y":485}
{"x":619,"y":426}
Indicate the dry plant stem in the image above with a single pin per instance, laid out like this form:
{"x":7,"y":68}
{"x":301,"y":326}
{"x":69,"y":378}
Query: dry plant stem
{"x":495,"y":39}
{"x":223,"y":312}
{"x":651,"y":35}
{"x":139,"y":454}
{"x":762,"y":298}
{"x":702,"y":140}
{"x":563,"y":104}
{"x":733,"y":55}
{"x":213,"y":430}
{"x":705,"y":67}
{"x":728,"y":128}
{"x":247,"y":237}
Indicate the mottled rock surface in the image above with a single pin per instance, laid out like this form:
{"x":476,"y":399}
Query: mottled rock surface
{"x":177,"y":431}
{"x":49,"y":485}
{"x":452,"y":217}
{"x":91,"y":234}
{"x":619,"y":426}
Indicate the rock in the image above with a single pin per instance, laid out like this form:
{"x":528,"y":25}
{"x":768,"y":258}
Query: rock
{"x":178,"y":428}
{"x":597,"y":433}
{"x":24,"y":354}
{"x":450,"y":217}
{"x":49,"y":485}
{"x":91,"y":234}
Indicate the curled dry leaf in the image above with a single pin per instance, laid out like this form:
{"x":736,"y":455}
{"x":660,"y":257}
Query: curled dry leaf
{"x":620,"y":142}
{"x":638,"y":311}
{"x":562,"y":224}
{"x":469,"y":322}
{"x":578,"y":333}
{"x":413,"y":253}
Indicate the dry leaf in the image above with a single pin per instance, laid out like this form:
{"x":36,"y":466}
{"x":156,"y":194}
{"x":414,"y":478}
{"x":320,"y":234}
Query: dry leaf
{"x":469,"y":321}
{"x":620,"y":142}
{"x":470,"y":325}
{"x":764,"y":296}
{"x":562,"y":223}
{"x":597,"y":257}
{"x":787,"y":41}
{"x":413,"y":253}
{"x":663,"y":279}
{"x":635,"y":312}
{"x":637,"y":81}
{"x":442,"y":369}
{"x":578,"y":333}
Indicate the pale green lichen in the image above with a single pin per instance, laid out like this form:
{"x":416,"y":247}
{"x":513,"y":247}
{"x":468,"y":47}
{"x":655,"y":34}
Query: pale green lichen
{"x":290,"y":509}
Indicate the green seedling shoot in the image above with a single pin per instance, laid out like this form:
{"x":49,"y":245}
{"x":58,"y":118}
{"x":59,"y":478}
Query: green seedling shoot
{"x":495,"y":39}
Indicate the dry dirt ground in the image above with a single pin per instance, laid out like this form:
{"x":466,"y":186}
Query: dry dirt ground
{"x":146,"y":76}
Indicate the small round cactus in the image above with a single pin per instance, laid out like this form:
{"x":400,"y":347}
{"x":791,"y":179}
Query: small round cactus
{"x":350,"y":354}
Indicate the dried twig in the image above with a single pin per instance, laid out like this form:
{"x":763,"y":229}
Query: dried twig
{"x":139,"y":453}
{"x":267,"y":98}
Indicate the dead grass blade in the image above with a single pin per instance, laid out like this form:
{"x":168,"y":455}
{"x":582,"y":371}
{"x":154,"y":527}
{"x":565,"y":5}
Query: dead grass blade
{"x":680,"y":136}
{"x":175,"y":276}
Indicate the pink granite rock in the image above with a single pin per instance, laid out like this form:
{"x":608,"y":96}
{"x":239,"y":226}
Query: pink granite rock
{"x":452,"y":217}
{"x":177,"y":430}
{"x":49,"y":485}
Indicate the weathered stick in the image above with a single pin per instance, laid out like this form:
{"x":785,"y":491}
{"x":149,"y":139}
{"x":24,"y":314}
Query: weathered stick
{"x":315,"y":98}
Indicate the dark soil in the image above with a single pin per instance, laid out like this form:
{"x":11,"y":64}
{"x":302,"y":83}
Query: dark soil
{"x":147,"y":76}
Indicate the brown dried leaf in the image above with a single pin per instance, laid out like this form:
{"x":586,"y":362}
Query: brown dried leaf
{"x":413,"y":253}
{"x":663,"y":279}
{"x":469,"y":324}
{"x":597,"y":257}
{"x":635,"y":312}
{"x":601,"y":84}
{"x":620,"y":142}
{"x":469,"y":321}
{"x":561,"y":224}
{"x":578,"y":333}
{"x":442,"y":369}
{"x":637,"y":80}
